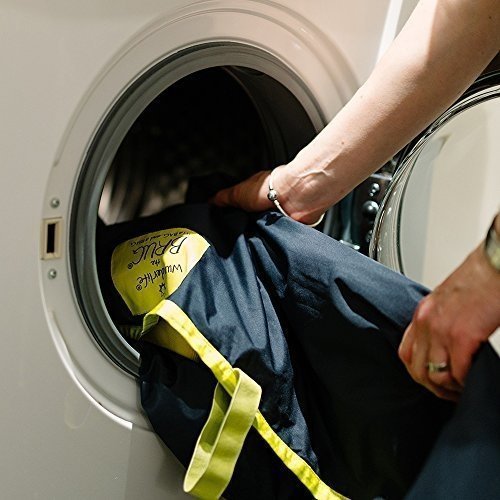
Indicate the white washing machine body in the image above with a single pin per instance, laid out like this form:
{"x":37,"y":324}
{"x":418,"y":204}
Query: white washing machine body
{"x":71,"y":421}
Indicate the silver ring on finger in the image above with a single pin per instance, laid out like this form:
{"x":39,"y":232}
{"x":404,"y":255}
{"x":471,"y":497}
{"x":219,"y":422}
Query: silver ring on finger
{"x":438,"y":367}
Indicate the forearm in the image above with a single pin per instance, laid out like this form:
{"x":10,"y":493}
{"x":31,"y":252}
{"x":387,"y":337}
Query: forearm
{"x":440,"y":51}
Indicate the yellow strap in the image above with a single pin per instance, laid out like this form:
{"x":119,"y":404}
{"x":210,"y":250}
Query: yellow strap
{"x":165,"y":336}
{"x":227,"y":378}
{"x":222,"y":438}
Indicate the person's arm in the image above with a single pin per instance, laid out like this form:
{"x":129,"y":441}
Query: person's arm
{"x":452,"y":322}
{"x":440,"y":51}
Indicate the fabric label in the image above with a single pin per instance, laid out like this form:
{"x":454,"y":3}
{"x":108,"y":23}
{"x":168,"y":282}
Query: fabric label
{"x":147,"y":269}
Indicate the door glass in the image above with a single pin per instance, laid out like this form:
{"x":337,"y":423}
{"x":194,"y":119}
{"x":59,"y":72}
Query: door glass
{"x":446,"y":195}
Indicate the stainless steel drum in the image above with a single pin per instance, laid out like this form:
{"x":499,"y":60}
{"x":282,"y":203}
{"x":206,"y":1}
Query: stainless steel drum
{"x":445,"y":191}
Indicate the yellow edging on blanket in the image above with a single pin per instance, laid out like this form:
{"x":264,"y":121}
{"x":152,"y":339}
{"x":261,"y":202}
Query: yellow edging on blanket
{"x":224,"y":373}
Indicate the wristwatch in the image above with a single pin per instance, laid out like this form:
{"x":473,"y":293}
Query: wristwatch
{"x":492,"y":247}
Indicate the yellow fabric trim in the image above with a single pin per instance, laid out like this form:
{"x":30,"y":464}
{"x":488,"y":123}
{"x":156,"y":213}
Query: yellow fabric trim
{"x":176,"y":317}
{"x":221,"y":440}
{"x":295,"y":463}
{"x":164,"y":335}
{"x":224,"y":373}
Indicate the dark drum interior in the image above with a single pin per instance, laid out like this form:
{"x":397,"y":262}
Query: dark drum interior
{"x":215,"y":120}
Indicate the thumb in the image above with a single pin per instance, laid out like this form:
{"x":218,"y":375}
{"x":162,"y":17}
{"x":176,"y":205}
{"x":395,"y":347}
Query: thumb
{"x":222,"y":198}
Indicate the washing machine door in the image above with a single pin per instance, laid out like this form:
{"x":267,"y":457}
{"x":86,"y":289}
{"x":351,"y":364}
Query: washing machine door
{"x":445,"y":191}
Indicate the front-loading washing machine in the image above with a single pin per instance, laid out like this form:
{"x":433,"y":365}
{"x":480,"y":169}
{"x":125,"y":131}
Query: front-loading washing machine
{"x":106,"y":108}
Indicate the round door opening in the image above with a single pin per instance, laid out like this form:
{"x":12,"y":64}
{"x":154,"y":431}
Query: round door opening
{"x":189,"y":121}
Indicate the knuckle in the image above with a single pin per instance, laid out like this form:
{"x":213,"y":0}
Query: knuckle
{"x":461,"y":337}
{"x":404,"y":354}
{"x":423,"y":312}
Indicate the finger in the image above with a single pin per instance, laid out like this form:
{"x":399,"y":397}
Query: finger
{"x":461,"y":355}
{"x":414,"y":351}
{"x":419,"y":357}
{"x":442,"y":379}
{"x":443,"y":393}
{"x":222,"y":198}
{"x":419,"y":371}
{"x":406,"y":346}
{"x":416,"y":329}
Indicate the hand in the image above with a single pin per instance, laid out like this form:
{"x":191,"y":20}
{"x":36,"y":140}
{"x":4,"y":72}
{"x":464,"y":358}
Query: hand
{"x":299,"y":196}
{"x":249,"y":195}
{"x":451,"y":323}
